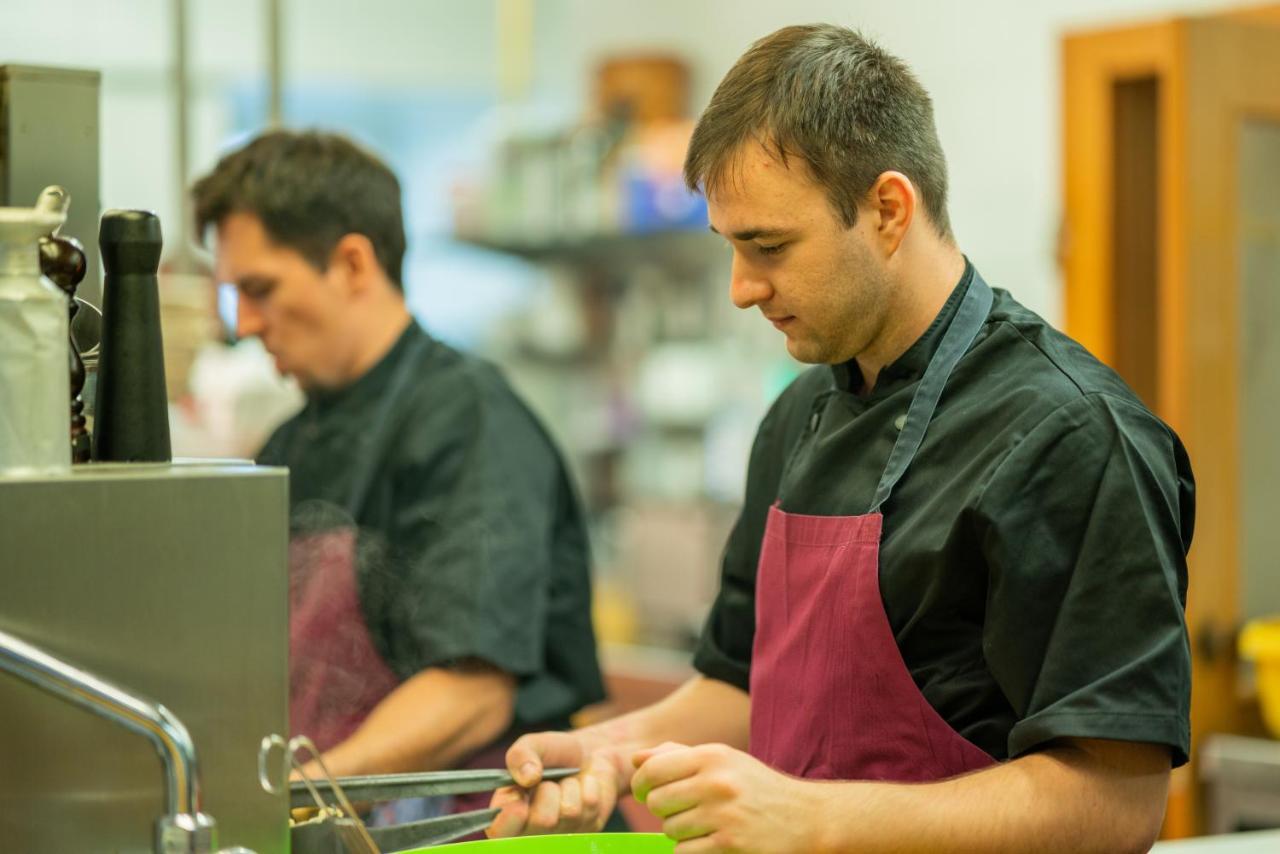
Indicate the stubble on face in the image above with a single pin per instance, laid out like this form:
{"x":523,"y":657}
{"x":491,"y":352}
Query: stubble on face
{"x":851,"y":298}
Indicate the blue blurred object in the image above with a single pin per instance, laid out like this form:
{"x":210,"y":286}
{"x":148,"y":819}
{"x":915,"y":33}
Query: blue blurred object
{"x":228,"y":310}
{"x":660,"y":203}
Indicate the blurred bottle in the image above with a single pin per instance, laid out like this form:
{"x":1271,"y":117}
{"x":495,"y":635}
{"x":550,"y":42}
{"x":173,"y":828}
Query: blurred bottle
{"x":35,"y":384}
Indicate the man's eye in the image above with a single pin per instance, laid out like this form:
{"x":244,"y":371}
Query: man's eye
{"x":770,"y":250}
{"x":255,"y":291}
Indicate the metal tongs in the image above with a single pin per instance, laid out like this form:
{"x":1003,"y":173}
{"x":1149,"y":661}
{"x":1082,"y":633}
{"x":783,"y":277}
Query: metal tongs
{"x":338,"y":829}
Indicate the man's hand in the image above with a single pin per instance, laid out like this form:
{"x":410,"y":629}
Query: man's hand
{"x":574,"y":805}
{"x":1078,"y":795}
{"x":713,"y":798}
{"x":701,"y":710}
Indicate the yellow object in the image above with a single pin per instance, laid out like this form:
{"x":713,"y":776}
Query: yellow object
{"x":614,"y":615}
{"x":1260,"y":643}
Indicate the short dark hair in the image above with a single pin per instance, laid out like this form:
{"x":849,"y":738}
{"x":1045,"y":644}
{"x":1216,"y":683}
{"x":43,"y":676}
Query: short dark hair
{"x":834,"y":99}
{"x":309,"y":189}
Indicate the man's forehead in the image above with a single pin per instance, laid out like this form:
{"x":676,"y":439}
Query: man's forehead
{"x":240,"y":246}
{"x":757,"y":190}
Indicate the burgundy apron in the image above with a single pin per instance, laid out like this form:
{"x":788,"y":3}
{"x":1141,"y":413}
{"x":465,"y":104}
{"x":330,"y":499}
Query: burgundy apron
{"x":831,"y":697}
{"x":336,"y":674}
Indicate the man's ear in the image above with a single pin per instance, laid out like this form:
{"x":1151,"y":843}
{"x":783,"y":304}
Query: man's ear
{"x":892,"y":199}
{"x":354,"y":259}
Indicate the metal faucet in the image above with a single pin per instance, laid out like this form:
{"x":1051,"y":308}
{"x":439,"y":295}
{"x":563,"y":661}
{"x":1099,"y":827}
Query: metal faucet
{"x":183,"y":829}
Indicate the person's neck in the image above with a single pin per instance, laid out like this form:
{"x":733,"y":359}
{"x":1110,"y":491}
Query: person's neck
{"x":921,"y":290}
{"x":376,"y":338}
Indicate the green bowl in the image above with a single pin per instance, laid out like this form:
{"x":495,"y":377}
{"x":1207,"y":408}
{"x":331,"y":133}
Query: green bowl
{"x":577,"y":843}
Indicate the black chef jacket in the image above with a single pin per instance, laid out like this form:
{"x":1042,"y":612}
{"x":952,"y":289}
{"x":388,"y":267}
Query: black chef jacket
{"x":1032,"y":563}
{"x":471,"y":541}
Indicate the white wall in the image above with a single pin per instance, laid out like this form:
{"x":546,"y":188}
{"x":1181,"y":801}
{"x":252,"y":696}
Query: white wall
{"x":992,"y":67}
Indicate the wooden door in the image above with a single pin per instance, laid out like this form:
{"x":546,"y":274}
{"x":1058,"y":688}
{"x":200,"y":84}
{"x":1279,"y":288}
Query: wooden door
{"x":1171,"y":254}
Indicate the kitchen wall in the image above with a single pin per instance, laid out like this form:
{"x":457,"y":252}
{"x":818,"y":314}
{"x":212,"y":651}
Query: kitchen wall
{"x":992,"y":66}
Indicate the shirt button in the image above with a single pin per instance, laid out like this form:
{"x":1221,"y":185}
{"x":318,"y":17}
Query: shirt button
{"x":900,"y":422}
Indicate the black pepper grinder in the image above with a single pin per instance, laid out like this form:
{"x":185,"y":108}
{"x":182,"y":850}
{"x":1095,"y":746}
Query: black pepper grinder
{"x":131,"y":416}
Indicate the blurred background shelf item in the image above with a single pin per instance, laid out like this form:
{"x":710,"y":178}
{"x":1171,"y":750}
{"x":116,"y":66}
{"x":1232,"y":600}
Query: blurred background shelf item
{"x":1242,"y":783}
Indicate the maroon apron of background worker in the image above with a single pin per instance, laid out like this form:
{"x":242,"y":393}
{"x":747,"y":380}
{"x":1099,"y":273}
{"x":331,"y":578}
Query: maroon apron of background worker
{"x":831,"y":697}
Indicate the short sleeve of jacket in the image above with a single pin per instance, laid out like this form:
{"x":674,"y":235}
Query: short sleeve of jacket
{"x":477,"y":495}
{"x":724,"y":649}
{"x":1086,"y":525}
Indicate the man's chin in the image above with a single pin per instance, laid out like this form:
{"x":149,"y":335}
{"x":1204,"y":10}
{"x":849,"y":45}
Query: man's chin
{"x":301,"y":379}
{"x":806,"y":352}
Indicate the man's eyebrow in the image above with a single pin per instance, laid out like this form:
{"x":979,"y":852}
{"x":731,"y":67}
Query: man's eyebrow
{"x":753,"y":233}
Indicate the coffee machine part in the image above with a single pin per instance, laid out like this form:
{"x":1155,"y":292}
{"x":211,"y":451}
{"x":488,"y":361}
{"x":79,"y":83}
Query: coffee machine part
{"x":35,"y":387}
{"x":131,"y":416}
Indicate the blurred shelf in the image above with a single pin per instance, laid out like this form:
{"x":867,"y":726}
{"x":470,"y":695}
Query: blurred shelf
{"x":681,"y":248}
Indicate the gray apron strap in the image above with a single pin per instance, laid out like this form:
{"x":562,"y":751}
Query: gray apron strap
{"x":383,"y":426}
{"x":964,"y":328}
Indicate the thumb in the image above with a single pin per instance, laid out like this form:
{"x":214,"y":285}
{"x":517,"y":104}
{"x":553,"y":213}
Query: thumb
{"x":531,"y":753}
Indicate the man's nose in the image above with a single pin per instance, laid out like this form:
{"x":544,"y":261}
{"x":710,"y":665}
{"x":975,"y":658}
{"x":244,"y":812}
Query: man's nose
{"x":747,"y":287}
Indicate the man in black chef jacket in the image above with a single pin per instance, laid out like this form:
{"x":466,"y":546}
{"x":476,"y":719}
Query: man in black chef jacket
{"x":951,"y":614}
{"x":439,"y":589}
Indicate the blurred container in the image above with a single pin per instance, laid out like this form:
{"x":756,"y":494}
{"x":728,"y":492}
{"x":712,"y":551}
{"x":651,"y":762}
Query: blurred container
{"x":645,"y":89}
{"x":651,"y":181}
{"x":35,"y":379}
{"x":1260,"y":643}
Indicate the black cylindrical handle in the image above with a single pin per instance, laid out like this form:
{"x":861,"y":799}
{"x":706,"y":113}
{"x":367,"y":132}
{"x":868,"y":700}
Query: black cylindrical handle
{"x":130,"y":242}
{"x":131,"y":417}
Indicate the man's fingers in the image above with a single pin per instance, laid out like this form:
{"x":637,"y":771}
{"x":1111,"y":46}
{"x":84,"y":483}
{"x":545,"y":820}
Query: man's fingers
{"x":544,"y":809}
{"x":700,"y":845}
{"x":514,"y":804}
{"x":662,"y":767}
{"x":590,"y":793}
{"x":602,"y":779}
{"x":671,"y":799}
{"x":508,"y":795}
{"x":642,"y":756}
{"x":570,"y":799}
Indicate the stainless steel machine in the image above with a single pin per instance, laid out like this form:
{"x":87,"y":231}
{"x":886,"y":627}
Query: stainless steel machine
{"x":170,"y":581}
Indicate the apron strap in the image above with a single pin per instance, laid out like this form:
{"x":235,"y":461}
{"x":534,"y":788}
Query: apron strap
{"x":960,"y":335}
{"x":383,"y":426}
